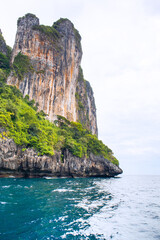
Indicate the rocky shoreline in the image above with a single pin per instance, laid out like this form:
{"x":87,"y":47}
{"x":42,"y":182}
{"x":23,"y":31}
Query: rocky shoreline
{"x":17,"y":162}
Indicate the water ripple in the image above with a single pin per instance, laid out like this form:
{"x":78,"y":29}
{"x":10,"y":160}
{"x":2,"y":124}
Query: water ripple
{"x":118,"y":208}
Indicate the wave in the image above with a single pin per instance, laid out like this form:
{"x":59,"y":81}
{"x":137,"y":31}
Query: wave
{"x":3,"y":203}
{"x":7,"y":186}
{"x":62,"y":190}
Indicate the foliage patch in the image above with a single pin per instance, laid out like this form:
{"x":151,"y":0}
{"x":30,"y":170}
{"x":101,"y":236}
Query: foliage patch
{"x":50,"y":32}
{"x":29,"y":128}
{"x":21,"y":65}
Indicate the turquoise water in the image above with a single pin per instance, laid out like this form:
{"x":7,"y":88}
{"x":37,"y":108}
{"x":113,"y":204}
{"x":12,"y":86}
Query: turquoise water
{"x":124,"y":208}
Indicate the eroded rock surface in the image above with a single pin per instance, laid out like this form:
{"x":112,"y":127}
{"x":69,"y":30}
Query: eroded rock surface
{"x":14,"y":160}
{"x":56,"y":61}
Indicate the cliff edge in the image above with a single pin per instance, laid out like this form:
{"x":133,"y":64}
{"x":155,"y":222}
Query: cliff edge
{"x":55,"y":80}
{"x":15,"y":161}
{"x":48,"y":123}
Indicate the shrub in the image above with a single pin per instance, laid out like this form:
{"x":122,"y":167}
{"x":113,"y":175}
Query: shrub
{"x":4,"y":61}
{"x":21,"y":65}
{"x":51,"y":33}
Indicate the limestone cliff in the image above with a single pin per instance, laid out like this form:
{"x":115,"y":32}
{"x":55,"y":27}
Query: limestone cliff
{"x":55,"y":82}
{"x":15,"y":161}
{"x":3,"y":46}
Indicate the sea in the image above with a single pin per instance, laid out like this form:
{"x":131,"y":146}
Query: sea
{"x":119,"y":208}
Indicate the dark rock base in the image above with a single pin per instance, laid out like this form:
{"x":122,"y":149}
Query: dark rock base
{"x":18,"y":163}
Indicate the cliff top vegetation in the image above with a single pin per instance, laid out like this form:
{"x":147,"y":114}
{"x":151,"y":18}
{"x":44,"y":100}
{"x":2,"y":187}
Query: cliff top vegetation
{"x":28,"y":15}
{"x":54,"y":32}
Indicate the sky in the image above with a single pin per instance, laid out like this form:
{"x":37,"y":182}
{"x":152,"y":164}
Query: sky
{"x":121,"y":60}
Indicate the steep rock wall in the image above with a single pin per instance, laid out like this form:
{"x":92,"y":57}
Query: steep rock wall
{"x":86,"y":108}
{"x":15,"y":161}
{"x":3,"y":46}
{"x":55,"y":54}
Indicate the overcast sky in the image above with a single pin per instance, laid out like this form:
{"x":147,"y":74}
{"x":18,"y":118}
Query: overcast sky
{"x":121,"y":60}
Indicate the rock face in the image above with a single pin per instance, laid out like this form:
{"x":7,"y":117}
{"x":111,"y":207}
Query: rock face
{"x":55,"y":53}
{"x":86,"y":109}
{"x":3,"y":46}
{"x":15,"y":161}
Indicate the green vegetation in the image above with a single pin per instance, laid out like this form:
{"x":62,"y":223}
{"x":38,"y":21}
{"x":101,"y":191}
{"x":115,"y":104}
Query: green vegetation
{"x":4,"y":67}
{"x":78,"y":38}
{"x":7,"y":49}
{"x":20,"y":120}
{"x":1,"y":40}
{"x":27,"y":15}
{"x":29,"y":128}
{"x":4,"y":59}
{"x":80,"y":104}
{"x":4,"y":62}
{"x":81,"y":142}
{"x":53,"y":33}
{"x":80,"y":75}
{"x":82,"y":99}
{"x":58,"y":22}
{"x":76,"y":33}
{"x":50,"y":32}
{"x":21,"y":65}
{"x":81,"y":81}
